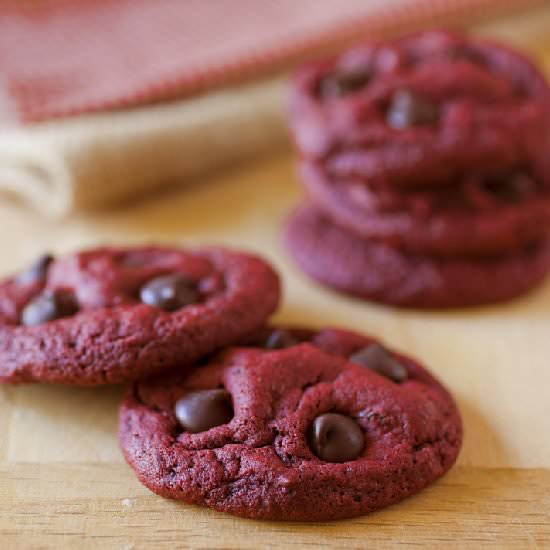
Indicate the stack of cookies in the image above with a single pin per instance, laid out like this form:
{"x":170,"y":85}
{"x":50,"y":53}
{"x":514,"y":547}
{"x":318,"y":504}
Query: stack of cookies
{"x":427,"y":166}
{"x":224,"y":409}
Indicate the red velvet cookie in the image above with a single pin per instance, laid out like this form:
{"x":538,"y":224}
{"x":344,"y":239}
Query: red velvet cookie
{"x":116,"y":314}
{"x":357,"y":266}
{"x":421,"y":110}
{"x":329,"y":425}
{"x":481,"y":215}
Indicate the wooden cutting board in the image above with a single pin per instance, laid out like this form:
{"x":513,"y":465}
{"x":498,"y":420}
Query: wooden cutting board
{"x":64,"y":484}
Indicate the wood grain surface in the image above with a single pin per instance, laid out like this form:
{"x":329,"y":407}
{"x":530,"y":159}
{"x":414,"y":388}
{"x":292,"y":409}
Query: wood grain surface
{"x":64,"y":484}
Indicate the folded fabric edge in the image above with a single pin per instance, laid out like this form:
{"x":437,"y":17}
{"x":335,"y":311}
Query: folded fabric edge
{"x":34,"y":175}
{"x":100,"y":160}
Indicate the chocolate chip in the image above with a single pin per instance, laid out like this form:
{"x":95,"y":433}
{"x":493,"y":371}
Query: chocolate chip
{"x":201,"y":410}
{"x":521,"y":186}
{"x":335,"y":438}
{"x":376,"y":358}
{"x":344,"y":82}
{"x":37,"y":271}
{"x":132,"y":260}
{"x":48,"y":306}
{"x":409,"y":109}
{"x":169,"y":292}
{"x":514,"y":188}
{"x":280,"y":339}
{"x":461,"y":53}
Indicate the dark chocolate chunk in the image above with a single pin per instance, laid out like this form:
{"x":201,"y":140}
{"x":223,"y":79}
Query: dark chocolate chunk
{"x":514,"y":188}
{"x":376,"y":358}
{"x":336,"y":438}
{"x":461,"y":53}
{"x":409,"y":109}
{"x":201,"y":410}
{"x":169,"y":292}
{"x":132,"y":260}
{"x":48,"y":306}
{"x":344,"y":82}
{"x":37,"y":271}
{"x":280,"y":339}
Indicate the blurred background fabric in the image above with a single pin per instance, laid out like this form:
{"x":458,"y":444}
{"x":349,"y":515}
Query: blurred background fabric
{"x":105,"y":100}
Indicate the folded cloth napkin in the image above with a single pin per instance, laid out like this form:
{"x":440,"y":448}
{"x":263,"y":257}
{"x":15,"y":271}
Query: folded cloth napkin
{"x":112,"y":63}
{"x":96,"y":160}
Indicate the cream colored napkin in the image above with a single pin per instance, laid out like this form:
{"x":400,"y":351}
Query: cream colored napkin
{"x":102,"y":159}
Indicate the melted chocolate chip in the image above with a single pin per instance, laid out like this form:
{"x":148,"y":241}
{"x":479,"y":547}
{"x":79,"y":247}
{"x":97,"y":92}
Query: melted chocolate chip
{"x":461,"y":53}
{"x":201,"y":410}
{"x":515,"y":188}
{"x":169,"y":292}
{"x":376,"y":358}
{"x":521,"y":186}
{"x":132,"y":260}
{"x":335,"y":438}
{"x":409,"y":109}
{"x":344,"y":82}
{"x":37,"y":271}
{"x":49,"y":306}
{"x":280,"y":339}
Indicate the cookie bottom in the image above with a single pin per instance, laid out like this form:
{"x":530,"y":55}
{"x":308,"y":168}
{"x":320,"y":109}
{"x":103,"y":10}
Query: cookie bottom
{"x":377,"y":272}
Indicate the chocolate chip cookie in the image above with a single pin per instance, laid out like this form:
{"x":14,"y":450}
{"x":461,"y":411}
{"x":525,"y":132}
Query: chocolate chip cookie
{"x":381,"y":273}
{"x":313,"y":426}
{"x":111,"y":315}
{"x":487,"y":214}
{"x":423,"y":109}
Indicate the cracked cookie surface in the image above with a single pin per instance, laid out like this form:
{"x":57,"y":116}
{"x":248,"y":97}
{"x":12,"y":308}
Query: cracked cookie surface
{"x":111,"y":315}
{"x":266,"y":462}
